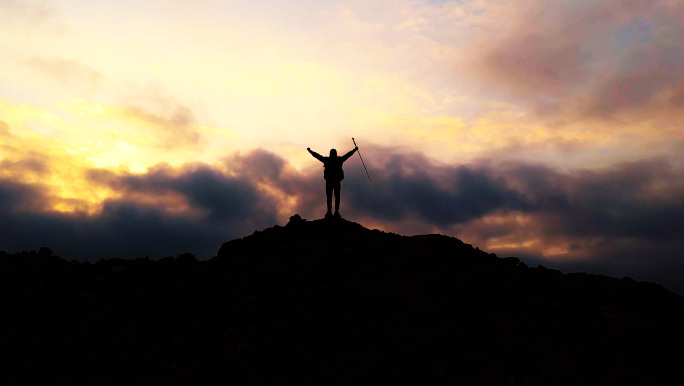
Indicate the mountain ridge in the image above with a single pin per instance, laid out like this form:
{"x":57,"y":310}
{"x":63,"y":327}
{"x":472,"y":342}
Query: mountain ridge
{"x":331,"y":301}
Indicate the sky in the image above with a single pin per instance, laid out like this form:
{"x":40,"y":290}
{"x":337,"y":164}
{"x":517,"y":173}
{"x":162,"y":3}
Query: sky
{"x":547,"y":130}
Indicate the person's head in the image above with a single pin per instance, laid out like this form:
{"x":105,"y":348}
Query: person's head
{"x":333,"y":153}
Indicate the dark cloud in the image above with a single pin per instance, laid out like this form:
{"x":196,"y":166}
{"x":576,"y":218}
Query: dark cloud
{"x":633,"y":200}
{"x":437,"y":195}
{"x":30,"y":165}
{"x":221,"y":196}
{"x":262,"y":167}
{"x":17,"y":197}
{"x":122,"y":229}
{"x":220,"y":207}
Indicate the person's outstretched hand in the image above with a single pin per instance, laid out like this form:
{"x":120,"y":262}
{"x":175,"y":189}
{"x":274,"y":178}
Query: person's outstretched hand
{"x":308,"y":148}
{"x":356,"y":148}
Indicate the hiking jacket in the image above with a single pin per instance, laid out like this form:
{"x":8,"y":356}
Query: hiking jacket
{"x":332,"y":165}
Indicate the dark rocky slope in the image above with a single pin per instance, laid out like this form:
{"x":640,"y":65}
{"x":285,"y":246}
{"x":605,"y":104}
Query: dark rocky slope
{"x":331,"y":302}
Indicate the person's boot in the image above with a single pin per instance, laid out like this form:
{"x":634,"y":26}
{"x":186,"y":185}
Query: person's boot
{"x":328,"y":214}
{"x":338,"y":215}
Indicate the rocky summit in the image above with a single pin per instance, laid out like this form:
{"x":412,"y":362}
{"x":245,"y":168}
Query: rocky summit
{"x":329,"y":301}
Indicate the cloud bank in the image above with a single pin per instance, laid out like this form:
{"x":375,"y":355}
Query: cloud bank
{"x":628,"y":219}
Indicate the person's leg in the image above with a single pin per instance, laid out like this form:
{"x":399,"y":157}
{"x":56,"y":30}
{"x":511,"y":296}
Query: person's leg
{"x":328,"y":194}
{"x":337,"y":197}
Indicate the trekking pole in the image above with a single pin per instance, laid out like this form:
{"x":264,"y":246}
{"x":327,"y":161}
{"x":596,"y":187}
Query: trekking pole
{"x":363,"y":163}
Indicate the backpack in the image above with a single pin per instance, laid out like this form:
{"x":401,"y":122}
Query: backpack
{"x":333,"y":171}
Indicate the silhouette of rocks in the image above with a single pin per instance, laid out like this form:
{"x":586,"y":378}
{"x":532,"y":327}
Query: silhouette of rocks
{"x":329,"y":301}
{"x":296,"y":219}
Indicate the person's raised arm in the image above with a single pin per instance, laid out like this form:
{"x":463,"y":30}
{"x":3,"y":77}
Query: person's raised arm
{"x":346,"y":156}
{"x":316,"y":155}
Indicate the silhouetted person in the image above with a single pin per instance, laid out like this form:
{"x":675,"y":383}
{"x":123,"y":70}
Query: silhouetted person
{"x":333,"y":175}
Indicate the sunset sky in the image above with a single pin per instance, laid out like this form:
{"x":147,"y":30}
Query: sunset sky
{"x":548,"y":130}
